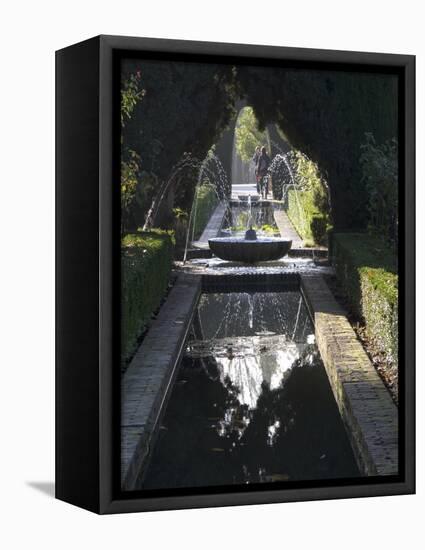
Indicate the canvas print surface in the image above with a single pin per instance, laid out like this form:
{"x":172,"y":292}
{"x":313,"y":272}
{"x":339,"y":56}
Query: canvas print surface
{"x":259,"y":276}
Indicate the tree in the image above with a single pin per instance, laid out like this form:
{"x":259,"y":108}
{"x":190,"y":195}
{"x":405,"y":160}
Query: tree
{"x":380,"y":174}
{"x":247,"y":134}
{"x":131,"y":94}
{"x":184,"y":110}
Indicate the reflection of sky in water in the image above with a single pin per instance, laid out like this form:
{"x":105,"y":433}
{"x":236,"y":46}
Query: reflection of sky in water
{"x":254,"y":339}
{"x":249,"y":362}
{"x":252,"y":402}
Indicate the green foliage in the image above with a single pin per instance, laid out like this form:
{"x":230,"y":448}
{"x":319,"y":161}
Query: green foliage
{"x":326,"y":114}
{"x":380,"y":175}
{"x":319,"y":228}
{"x":187,"y":106}
{"x":141,"y":187}
{"x":184,"y":110}
{"x":266,"y":228}
{"x":366,"y":267}
{"x":180,"y":214}
{"x":131,"y":94}
{"x":146,"y":260}
{"x":308,"y":206}
{"x":269,"y":229}
{"x":308,"y":178}
{"x":240,"y":220}
{"x":130,"y":172}
{"x":204,"y":204}
{"x":181,"y":219}
{"x":300,"y":210}
{"x":247,"y":134}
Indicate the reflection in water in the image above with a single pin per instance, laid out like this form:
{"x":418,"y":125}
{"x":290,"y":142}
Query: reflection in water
{"x":242,"y":216}
{"x":249,"y":362}
{"x":252,"y":402}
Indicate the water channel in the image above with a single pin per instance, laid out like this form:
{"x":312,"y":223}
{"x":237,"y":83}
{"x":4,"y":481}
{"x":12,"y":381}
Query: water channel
{"x":251,"y":402}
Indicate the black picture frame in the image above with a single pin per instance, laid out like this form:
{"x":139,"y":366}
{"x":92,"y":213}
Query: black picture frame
{"x":86,"y":268}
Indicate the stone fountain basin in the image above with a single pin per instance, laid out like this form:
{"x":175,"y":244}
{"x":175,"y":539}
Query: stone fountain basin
{"x":249,"y":251}
{"x":244,"y":198}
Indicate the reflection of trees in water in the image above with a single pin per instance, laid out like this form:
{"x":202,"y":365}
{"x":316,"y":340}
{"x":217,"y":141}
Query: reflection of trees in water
{"x":263,"y":360}
{"x":210,"y":438}
{"x":295,"y":431}
{"x":239,"y":217}
{"x":252,"y":402}
{"x":189,"y":451}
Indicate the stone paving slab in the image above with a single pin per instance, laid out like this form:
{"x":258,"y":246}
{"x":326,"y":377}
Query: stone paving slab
{"x":213,"y":226}
{"x":146,"y":382}
{"x":369,"y":413}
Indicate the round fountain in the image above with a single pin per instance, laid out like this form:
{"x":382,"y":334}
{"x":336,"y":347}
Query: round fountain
{"x":251,"y":249}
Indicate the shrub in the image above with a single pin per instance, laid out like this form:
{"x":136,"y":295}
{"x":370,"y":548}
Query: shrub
{"x":365,"y":265}
{"x":319,"y":227}
{"x":180,"y":227}
{"x":130,"y":173}
{"x":308,"y":205}
{"x":380,"y":175}
{"x":131,"y":94}
{"x":247,"y":134}
{"x":146,"y":260}
{"x":310,"y":224}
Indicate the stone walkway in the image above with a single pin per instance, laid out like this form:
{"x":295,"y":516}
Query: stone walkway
{"x":364,"y":402}
{"x":286,"y":228}
{"x":150,"y":374}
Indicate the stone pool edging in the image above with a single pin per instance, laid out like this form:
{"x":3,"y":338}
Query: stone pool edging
{"x":366,"y":407}
{"x":286,"y":228}
{"x":148,"y":379}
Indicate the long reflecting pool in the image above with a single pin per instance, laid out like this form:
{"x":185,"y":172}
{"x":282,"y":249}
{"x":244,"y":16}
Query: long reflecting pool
{"x":251,"y":402}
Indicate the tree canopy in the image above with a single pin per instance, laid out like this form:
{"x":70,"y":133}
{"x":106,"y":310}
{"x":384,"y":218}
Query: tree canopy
{"x":247,"y":134}
{"x":174,"y":108}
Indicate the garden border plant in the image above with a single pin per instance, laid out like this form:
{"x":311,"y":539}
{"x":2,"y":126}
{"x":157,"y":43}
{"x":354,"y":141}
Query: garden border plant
{"x":366,"y":269}
{"x":308,"y":206}
{"x":146,"y":262}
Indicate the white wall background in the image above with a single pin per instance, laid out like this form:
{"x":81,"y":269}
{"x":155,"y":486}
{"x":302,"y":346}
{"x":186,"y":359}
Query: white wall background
{"x":29,"y":34}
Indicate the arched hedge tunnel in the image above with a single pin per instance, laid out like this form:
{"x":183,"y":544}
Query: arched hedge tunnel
{"x":325,"y":114}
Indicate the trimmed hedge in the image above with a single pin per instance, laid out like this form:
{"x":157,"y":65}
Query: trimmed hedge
{"x":146,"y":261}
{"x":206,"y":201}
{"x":367,"y":270}
{"x":310,"y":224}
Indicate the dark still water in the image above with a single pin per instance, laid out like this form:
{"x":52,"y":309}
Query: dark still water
{"x":251,"y":402}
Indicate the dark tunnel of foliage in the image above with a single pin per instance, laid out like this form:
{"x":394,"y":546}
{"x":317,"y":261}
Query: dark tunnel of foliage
{"x":190,"y":107}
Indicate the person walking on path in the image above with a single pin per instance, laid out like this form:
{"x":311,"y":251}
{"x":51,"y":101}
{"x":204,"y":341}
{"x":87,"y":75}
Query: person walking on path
{"x":262,"y":169}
